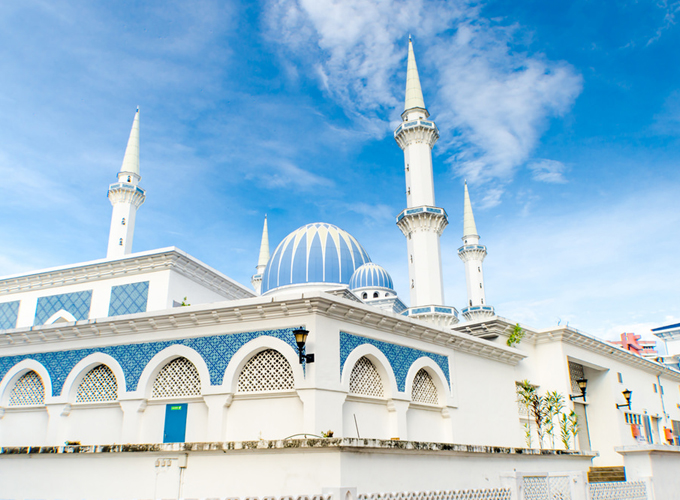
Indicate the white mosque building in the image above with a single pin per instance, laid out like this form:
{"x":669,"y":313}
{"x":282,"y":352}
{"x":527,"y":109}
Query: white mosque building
{"x":111,"y":387}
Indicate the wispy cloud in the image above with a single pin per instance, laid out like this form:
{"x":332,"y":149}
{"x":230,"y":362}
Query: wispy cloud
{"x":491,"y":99}
{"x":550,"y":171}
{"x":283,"y":174}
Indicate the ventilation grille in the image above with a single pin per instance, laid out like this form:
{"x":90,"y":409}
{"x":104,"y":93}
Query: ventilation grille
{"x":28,"y":390}
{"x":575,"y":373}
{"x":365,"y":379}
{"x":266,"y":371}
{"x":177,"y":378}
{"x":98,"y":385}
{"x":424,"y":390}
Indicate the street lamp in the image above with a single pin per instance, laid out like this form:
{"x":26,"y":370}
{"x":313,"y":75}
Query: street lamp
{"x":301,"y":339}
{"x":582,"y":384}
{"x":626,"y":394}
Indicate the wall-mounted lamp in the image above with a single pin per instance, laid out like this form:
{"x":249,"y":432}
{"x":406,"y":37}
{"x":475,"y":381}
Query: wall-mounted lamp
{"x":626,"y":394}
{"x":301,"y":340}
{"x":582,"y":384}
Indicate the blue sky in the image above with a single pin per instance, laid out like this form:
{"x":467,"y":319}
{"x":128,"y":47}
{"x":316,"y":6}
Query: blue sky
{"x":564,"y":117}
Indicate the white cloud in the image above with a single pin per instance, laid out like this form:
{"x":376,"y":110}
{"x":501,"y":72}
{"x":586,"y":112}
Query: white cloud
{"x":550,"y":171}
{"x":285,"y":174}
{"x":491,"y":98}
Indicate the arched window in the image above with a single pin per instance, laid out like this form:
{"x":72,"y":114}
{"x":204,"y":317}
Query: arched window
{"x":177,"y":379}
{"x":424,"y":390}
{"x":364,"y":295}
{"x":365,"y":379}
{"x":375,"y":295}
{"x":28,"y":390}
{"x":98,"y":385}
{"x":268,"y":370}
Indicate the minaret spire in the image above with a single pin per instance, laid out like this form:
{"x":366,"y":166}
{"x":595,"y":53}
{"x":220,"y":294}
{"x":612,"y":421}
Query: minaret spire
{"x":472,"y":254}
{"x":421,"y":222}
{"x":414,"y":92}
{"x":262,"y":260}
{"x":126,"y":197}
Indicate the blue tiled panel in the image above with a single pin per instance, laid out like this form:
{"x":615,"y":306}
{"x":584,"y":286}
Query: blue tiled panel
{"x":8,"y":315}
{"x":129,"y":299}
{"x":217,"y":351}
{"x":77,"y":303}
{"x":400,"y":357}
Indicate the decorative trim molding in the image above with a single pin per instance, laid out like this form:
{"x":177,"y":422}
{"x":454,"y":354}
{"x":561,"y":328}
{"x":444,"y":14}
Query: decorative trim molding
{"x":130,"y":265}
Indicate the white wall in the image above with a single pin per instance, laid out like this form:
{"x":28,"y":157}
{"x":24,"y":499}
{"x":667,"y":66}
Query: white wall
{"x":264,"y":418}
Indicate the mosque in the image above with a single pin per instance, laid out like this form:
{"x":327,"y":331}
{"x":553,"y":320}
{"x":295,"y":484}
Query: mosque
{"x":318,"y":378}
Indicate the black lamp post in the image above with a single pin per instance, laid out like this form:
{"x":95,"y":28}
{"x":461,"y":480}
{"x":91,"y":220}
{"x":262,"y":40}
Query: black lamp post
{"x":582,"y":384}
{"x":626,"y":394}
{"x":301,"y":340}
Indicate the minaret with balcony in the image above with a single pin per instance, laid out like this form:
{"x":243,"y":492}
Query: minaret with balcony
{"x":472,"y":254}
{"x":422,"y":223}
{"x":126,"y":197}
{"x":262,"y":261}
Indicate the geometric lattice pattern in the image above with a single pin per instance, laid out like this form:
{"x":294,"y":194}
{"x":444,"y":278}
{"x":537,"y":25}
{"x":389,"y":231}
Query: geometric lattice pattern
{"x":401,"y":358}
{"x":98,"y":385}
{"x":128,"y":299}
{"x":575,"y":373}
{"x":490,"y":494}
{"x":633,"y":490}
{"x":28,"y":390}
{"x":8,"y":315}
{"x":216,"y":350}
{"x":546,"y":488}
{"x":365,"y":379}
{"x":177,"y":379}
{"x":77,"y":303}
{"x":424,"y":390}
{"x":268,"y":370}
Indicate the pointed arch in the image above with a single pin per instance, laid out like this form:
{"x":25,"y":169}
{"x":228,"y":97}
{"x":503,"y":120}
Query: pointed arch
{"x":158,"y":362}
{"x":437,"y":376}
{"x":83,"y":367}
{"x":18,"y":371}
{"x":61,"y":316}
{"x":379,"y":361}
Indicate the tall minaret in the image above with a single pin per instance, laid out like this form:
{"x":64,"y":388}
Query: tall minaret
{"x":472,"y":254}
{"x":126,"y":197}
{"x":421,"y":222}
{"x":262,"y":260}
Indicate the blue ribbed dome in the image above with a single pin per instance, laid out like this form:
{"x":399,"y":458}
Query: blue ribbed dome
{"x":371,"y":275}
{"x":315,"y":253}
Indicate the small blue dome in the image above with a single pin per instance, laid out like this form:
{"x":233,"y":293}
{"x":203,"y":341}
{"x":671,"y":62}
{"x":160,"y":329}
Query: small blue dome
{"x":315,"y":253}
{"x":371,"y":276}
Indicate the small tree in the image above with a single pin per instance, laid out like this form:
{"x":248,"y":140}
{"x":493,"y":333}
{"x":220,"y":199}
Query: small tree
{"x":516,"y":336}
{"x":554,"y":403}
{"x":568,"y":428}
{"x":525,"y":394}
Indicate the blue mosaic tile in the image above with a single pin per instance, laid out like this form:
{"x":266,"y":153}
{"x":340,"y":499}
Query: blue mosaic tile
{"x":77,"y":303}
{"x":400,"y":357}
{"x":129,"y":299}
{"x":217,"y":351}
{"x":9,"y":311}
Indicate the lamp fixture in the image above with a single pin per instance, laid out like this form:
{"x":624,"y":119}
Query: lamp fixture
{"x":626,"y":394}
{"x":301,"y":339}
{"x":582,"y":384}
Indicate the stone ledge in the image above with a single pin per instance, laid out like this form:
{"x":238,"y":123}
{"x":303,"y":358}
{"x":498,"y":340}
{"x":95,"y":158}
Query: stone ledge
{"x":648,"y":448}
{"x":339,"y":444}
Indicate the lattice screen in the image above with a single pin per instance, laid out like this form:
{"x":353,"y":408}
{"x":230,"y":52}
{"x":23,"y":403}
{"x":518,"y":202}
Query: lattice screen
{"x":268,"y":370}
{"x":633,"y":490}
{"x":546,"y":488}
{"x":98,"y":385}
{"x":575,"y":373}
{"x":424,"y":390}
{"x":490,"y":494}
{"x":177,"y":378}
{"x":28,"y":390}
{"x":365,"y":379}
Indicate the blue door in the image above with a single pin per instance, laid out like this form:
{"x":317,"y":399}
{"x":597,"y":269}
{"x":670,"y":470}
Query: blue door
{"x":175,"y":423}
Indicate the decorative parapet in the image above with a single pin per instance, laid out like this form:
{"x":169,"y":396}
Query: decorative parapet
{"x":477,"y":312}
{"x":419,"y":131}
{"x":472,"y":252}
{"x":126,"y":193}
{"x":341,"y":444}
{"x":423,"y":218}
{"x":441,"y":316}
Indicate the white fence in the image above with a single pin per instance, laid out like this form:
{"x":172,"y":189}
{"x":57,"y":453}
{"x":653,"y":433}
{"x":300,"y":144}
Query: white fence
{"x":629,"y":490}
{"x":490,"y":494}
